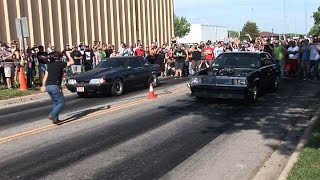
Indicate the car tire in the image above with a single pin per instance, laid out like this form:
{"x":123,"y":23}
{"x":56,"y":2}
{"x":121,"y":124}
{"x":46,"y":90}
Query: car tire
{"x":117,"y":87}
{"x":82,"y":94}
{"x":276,"y":84}
{"x":152,"y":79}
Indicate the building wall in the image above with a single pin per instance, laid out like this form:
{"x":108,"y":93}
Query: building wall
{"x":58,"y":22}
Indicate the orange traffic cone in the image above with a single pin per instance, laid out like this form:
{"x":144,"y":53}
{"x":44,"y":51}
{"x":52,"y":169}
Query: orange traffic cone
{"x":22,"y":79}
{"x":151,"y":92}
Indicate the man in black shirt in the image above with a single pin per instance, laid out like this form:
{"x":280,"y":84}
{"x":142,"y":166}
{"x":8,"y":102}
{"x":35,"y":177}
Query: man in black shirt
{"x":88,"y":58}
{"x":52,"y":82}
{"x":42,"y":59}
{"x":180,"y":57}
{"x":196,"y":58}
{"x":77,"y":57}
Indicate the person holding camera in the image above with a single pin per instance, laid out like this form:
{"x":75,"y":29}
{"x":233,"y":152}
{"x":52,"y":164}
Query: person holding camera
{"x":180,"y":57}
{"x":196,"y":58}
{"x":52,"y":82}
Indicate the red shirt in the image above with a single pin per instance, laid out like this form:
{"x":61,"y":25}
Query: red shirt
{"x":139,"y":52}
{"x":208,"y":53}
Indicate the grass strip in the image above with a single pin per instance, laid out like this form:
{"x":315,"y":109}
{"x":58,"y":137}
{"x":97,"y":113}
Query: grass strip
{"x":13,"y":93}
{"x":308,"y":165}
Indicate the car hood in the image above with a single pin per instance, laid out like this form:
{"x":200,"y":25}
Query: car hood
{"x":96,"y":73}
{"x":233,"y":72}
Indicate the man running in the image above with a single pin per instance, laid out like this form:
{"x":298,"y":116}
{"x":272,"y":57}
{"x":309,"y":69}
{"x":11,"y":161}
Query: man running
{"x":52,"y":82}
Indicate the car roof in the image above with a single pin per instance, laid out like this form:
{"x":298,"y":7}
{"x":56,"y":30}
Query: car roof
{"x":245,"y":52}
{"x":121,"y":57}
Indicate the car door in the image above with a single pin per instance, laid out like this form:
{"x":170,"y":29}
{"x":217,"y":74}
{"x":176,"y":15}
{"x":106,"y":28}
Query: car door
{"x":266,"y":72}
{"x":137,"y":70}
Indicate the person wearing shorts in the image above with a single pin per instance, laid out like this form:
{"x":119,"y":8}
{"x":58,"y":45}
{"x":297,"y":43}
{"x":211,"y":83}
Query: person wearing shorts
{"x":8,"y":66}
{"x":180,"y":56}
{"x":77,"y":57}
{"x":292,"y":63}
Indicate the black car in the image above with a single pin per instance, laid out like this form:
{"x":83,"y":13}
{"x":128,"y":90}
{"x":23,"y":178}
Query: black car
{"x":237,"y":75}
{"x":113,"y":75}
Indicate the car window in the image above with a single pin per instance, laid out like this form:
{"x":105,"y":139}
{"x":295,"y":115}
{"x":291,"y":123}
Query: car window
{"x":237,"y":60}
{"x":134,"y":63}
{"x":112,"y":63}
{"x":144,"y":60}
{"x":266,"y":60}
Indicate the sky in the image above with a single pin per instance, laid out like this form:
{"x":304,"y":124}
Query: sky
{"x":268,"y":14}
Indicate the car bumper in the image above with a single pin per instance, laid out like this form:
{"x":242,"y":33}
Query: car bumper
{"x":220,"y":92}
{"x":89,"y":88}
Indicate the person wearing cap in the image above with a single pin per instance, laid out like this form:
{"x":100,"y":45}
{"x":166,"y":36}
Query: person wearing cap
{"x":52,"y":82}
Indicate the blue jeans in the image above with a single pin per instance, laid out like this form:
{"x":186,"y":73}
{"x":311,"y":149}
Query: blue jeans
{"x":57,"y":100}
{"x":281,"y":66}
{"x":314,"y":65}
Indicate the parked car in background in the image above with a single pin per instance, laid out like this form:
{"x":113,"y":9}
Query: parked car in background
{"x":114,"y":75}
{"x":237,"y":75}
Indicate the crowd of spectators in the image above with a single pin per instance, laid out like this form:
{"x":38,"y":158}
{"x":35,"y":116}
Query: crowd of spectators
{"x":296,"y":57}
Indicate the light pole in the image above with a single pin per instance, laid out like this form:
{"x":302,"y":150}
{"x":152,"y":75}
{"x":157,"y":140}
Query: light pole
{"x":284,"y":17}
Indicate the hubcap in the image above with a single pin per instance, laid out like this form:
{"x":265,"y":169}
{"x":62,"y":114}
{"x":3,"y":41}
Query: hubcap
{"x":276,"y":82}
{"x":118,"y":87}
{"x":154,"y":79}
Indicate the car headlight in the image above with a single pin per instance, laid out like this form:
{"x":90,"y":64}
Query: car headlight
{"x":239,"y":82}
{"x":97,"y":81}
{"x":72,"y":81}
{"x":195,"y":81}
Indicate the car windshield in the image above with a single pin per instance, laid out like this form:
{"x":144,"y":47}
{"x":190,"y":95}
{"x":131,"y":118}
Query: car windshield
{"x":237,"y":60}
{"x":112,"y":63}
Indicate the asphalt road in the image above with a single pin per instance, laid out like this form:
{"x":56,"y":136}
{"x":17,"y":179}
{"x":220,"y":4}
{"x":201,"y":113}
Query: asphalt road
{"x":171,"y":137}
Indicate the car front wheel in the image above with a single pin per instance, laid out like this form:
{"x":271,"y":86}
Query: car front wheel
{"x":254,"y":95}
{"x":152,"y":79}
{"x":117,"y":87}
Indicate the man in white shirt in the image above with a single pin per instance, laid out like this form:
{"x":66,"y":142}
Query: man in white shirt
{"x":218,"y":50}
{"x":293,"y":56}
{"x":314,"y":63}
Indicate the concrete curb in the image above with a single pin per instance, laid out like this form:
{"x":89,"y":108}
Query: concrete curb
{"x":28,"y":99}
{"x":304,"y":139}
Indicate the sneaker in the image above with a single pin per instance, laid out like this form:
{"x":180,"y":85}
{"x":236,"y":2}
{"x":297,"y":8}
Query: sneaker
{"x":58,"y":122}
{"x":54,"y":120}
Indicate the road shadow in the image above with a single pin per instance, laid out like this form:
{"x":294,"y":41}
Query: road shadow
{"x":84,"y":113}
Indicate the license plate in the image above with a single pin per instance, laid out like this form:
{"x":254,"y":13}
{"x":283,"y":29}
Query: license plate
{"x":80,"y":89}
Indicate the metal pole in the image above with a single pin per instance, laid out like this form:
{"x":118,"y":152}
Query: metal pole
{"x":22,"y":35}
{"x":284,"y":16}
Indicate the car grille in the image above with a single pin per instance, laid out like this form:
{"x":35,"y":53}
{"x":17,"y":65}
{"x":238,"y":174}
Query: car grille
{"x":216,"y":81}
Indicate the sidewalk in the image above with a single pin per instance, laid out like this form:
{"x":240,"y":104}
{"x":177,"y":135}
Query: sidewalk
{"x":279,"y":165}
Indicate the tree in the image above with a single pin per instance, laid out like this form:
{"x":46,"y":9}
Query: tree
{"x":315,"y":30}
{"x":233,"y":34}
{"x":249,"y":28}
{"x":181,"y":26}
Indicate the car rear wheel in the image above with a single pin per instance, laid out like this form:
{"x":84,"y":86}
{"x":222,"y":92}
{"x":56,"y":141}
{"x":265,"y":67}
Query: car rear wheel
{"x":82,"y":94}
{"x":117,"y":87}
